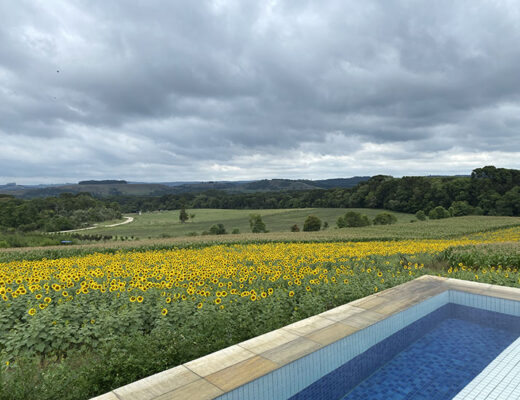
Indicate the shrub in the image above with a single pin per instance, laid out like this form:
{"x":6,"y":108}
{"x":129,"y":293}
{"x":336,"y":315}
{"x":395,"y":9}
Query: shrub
{"x":420,"y":215}
{"x":460,"y":208}
{"x":235,"y":231}
{"x":325,"y":225}
{"x":385,"y":219}
{"x":256,"y":223}
{"x":353,"y":219}
{"x":295,"y":228}
{"x":217,"y":229}
{"x":439,"y":212}
{"x":312,"y":223}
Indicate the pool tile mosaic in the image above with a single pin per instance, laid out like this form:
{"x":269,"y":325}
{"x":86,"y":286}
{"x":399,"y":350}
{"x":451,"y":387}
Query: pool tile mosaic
{"x":436,"y":366}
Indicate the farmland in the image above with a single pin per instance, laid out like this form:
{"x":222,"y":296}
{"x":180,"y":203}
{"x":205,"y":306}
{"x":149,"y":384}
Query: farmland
{"x":80,"y":321}
{"x":167,"y":224}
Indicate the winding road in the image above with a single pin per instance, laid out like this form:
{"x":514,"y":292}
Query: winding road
{"x":128,"y":220}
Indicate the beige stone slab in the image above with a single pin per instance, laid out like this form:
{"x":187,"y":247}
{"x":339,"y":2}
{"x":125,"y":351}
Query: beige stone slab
{"x":106,"y":396}
{"x":308,"y":325}
{"x":332,"y":333}
{"x":340,"y":313}
{"x":241,"y":373}
{"x":291,"y":351}
{"x":364,"y":319}
{"x":424,"y":286}
{"x":200,"y":389}
{"x":155,"y":385}
{"x":392,"y":307}
{"x":268,"y":341}
{"x":504,"y":292}
{"x":219,"y":360}
{"x":468,"y":286}
{"x":369,"y":302}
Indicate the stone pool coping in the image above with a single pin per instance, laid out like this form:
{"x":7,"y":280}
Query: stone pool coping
{"x":223,"y":371}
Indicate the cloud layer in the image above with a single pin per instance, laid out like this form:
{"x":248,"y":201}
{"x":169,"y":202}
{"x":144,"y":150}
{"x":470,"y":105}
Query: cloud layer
{"x":210,"y":90}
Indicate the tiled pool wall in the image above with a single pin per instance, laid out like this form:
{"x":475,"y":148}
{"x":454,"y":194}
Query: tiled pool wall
{"x":332,"y":371}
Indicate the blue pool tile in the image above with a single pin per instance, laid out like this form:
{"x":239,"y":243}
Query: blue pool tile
{"x":442,"y":353}
{"x":345,"y":364}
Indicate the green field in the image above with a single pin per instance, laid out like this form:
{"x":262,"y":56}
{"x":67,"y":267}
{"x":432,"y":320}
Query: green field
{"x":162,"y":230}
{"x":167,"y":224}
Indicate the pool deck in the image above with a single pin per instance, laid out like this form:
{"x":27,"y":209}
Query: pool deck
{"x":215,"y":374}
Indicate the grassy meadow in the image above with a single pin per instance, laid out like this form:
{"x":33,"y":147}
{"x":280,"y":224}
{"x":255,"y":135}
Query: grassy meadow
{"x":166,"y":223}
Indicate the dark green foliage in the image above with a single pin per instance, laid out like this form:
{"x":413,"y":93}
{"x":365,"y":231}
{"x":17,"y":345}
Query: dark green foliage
{"x":235,"y":231}
{"x":460,"y":208}
{"x":353,"y":219}
{"x":325,"y":225}
{"x":489,"y":190}
{"x":312,"y":223}
{"x":295,"y":228}
{"x":55,"y":213}
{"x":183,"y":215}
{"x":384,"y":219}
{"x":439,"y":212}
{"x":217,"y":229}
{"x":256,"y":223}
{"x":420,"y":215}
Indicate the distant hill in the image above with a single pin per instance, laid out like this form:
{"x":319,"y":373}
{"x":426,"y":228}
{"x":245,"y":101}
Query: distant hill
{"x":340,"y":182}
{"x":103,"y":182}
{"x":97,"y":190}
{"x":110,"y":188}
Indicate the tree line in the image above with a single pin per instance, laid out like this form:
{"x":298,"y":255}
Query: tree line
{"x":488,"y":191}
{"x":68,"y":211}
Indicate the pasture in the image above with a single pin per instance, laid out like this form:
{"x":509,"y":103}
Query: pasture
{"x":166,"y":223}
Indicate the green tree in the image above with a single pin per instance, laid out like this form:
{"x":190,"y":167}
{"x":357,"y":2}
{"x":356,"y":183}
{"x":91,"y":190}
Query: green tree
{"x":312,"y":223}
{"x":385,"y":219}
{"x":217,"y":229}
{"x":256,"y":223}
{"x":183,"y":215}
{"x":439,"y":212}
{"x":460,"y":208}
{"x":295,"y":228}
{"x":353,"y":219}
{"x":420,"y":215}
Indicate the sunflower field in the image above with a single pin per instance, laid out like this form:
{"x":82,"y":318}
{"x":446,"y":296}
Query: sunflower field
{"x":98,"y":321}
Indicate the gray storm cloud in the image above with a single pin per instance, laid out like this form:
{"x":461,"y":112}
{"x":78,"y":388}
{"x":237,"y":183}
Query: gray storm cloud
{"x":241,"y":90}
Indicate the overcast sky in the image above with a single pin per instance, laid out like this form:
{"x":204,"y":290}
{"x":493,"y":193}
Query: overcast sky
{"x":233,"y":90}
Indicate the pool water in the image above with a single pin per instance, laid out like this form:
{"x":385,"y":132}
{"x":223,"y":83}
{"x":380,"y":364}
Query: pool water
{"x":432,"y":358}
{"x":436,"y":366}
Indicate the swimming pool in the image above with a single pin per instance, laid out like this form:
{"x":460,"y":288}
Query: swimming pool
{"x":347,"y":351}
{"x":433,"y":358}
{"x":335,"y":371}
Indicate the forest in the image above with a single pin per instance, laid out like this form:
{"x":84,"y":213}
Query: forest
{"x":51,"y":214}
{"x":488,"y":191}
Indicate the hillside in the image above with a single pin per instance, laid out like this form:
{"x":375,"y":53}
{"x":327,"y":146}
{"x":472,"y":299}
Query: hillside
{"x":122,"y":188}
